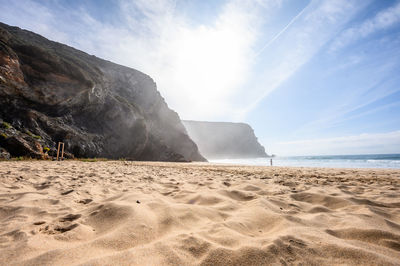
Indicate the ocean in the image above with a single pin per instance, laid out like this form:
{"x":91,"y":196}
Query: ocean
{"x":336,"y":161}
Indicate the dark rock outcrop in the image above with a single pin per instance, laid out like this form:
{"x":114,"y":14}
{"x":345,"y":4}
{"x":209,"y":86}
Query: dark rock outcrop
{"x":224,"y":140}
{"x":50,"y":92}
{"x":4,"y":154}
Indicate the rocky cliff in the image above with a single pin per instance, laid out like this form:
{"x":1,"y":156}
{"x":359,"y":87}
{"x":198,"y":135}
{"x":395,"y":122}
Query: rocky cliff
{"x":50,"y":92}
{"x":222,"y":140}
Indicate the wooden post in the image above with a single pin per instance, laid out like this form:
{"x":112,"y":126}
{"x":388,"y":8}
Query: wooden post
{"x":62,"y":151}
{"x":58,"y":150}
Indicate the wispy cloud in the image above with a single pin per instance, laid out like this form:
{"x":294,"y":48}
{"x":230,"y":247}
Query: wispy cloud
{"x":203,"y":71}
{"x":32,"y":15}
{"x":355,"y":100}
{"x":280,"y":32}
{"x":315,"y":26}
{"x":381,"y":21}
{"x":356,"y":144}
{"x":198,"y":68}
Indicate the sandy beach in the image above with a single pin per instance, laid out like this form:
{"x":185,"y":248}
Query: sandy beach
{"x":131,"y":213}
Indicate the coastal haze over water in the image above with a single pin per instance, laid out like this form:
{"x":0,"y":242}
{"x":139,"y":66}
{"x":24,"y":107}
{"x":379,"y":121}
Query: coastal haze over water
{"x":336,"y":161}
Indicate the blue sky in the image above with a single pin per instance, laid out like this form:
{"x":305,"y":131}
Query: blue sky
{"x":311,"y":77}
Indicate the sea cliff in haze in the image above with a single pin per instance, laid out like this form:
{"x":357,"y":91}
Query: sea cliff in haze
{"x":50,"y":92}
{"x":223,"y":140}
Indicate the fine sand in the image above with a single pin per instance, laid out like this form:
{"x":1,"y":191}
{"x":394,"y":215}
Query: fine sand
{"x":130,"y":213}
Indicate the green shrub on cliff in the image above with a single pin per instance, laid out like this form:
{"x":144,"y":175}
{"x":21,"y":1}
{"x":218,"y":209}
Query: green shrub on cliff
{"x":32,"y":135}
{"x":46,"y":149}
{"x":6,"y":125}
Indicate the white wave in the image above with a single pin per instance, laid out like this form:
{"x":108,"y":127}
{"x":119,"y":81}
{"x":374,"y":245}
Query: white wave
{"x":304,"y":162}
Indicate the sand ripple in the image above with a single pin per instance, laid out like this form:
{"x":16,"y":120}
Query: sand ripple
{"x":126,"y":213}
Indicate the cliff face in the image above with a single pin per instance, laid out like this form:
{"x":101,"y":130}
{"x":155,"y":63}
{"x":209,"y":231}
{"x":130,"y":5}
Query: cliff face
{"x":50,"y":92}
{"x":221,"y":140}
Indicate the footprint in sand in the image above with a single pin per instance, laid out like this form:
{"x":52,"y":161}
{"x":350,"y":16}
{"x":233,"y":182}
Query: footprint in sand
{"x":85,"y":201}
{"x":42,"y":185}
{"x":67,"y":192}
{"x":63,"y":229}
{"x":373,"y":236}
{"x":70,"y":217}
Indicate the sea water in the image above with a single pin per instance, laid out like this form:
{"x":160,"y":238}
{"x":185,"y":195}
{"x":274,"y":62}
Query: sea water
{"x":336,"y":161}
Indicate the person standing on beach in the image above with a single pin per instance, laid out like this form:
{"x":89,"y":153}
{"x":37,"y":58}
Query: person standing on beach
{"x":271,"y":162}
